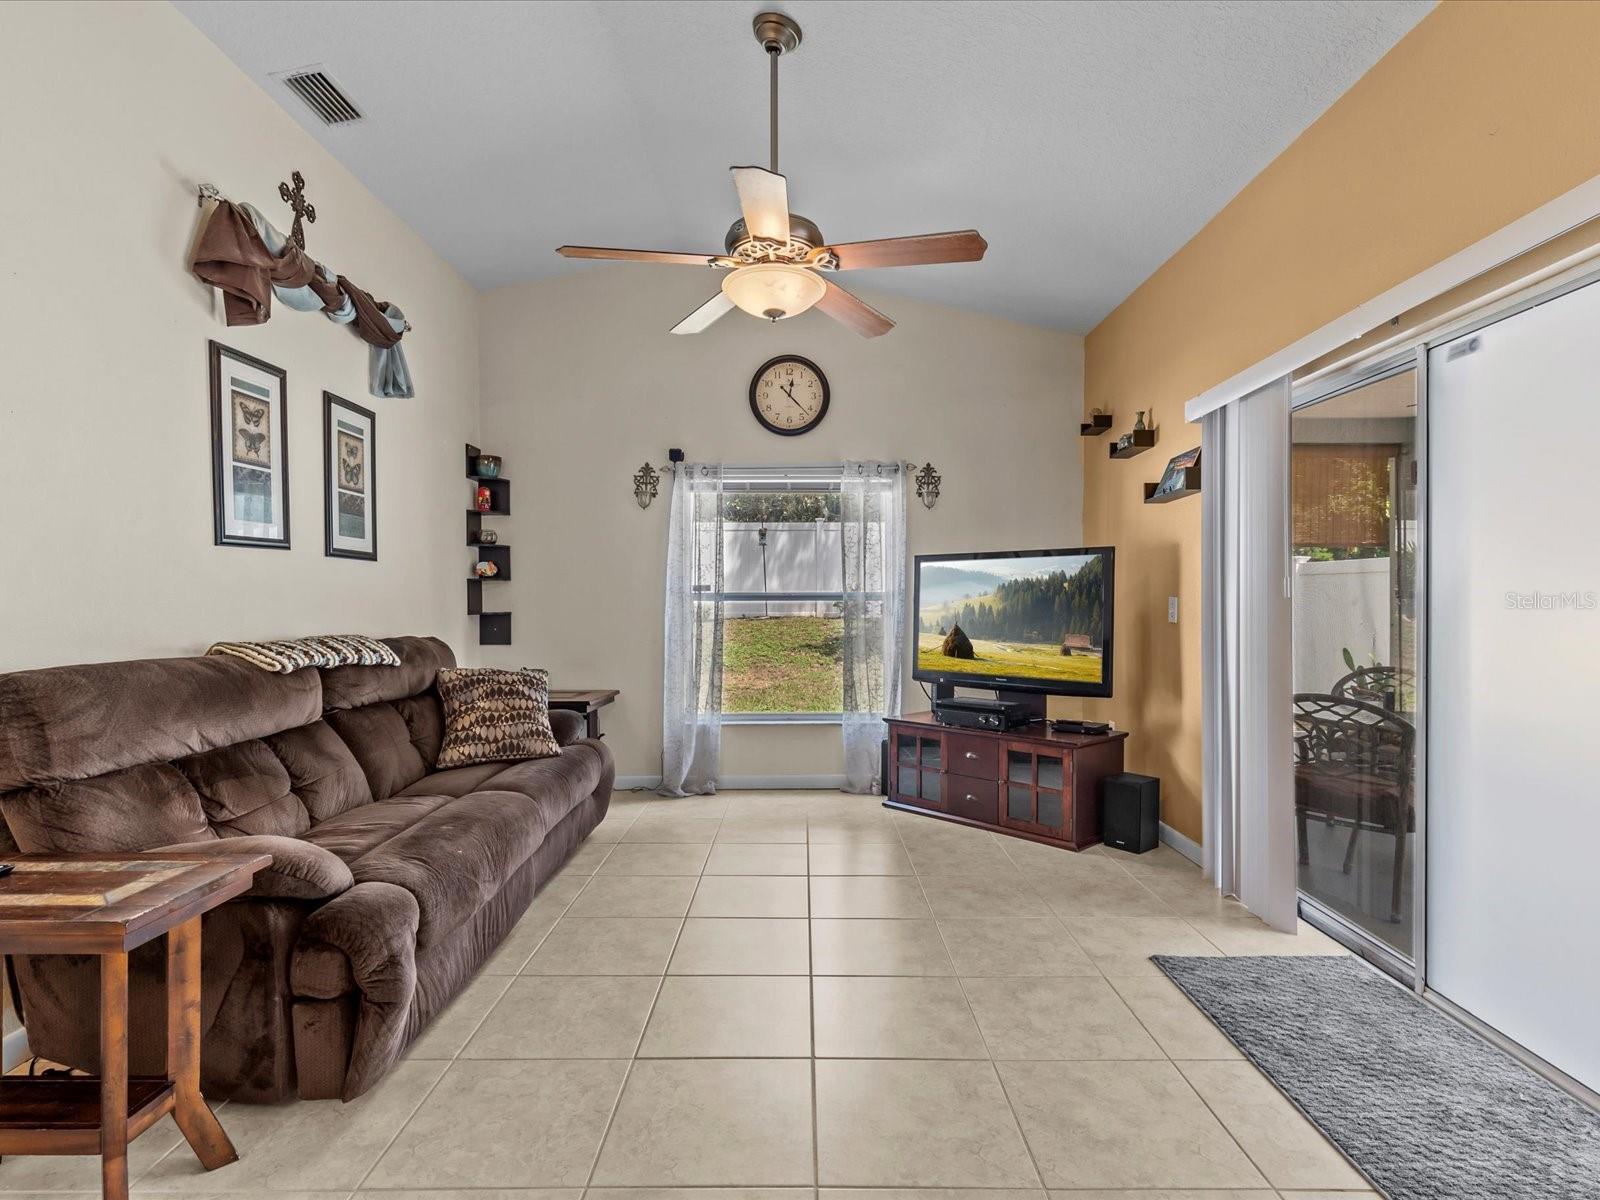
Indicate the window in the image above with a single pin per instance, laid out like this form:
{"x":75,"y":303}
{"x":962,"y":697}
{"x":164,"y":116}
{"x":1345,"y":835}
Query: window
{"x":782,"y":571}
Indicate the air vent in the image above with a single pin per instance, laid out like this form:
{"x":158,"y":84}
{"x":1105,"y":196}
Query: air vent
{"x":322,"y":95}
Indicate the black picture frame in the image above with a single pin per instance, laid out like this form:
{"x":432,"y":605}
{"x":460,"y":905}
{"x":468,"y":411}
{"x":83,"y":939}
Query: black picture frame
{"x":330,"y":488}
{"x":755,"y":407}
{"x":222,"y":461}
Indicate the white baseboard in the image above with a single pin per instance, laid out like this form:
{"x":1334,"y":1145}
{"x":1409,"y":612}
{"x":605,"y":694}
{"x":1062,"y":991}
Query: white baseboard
{"x":13,"y":1050}
{"x":1185,"y":846}
{"x":743,"y":783}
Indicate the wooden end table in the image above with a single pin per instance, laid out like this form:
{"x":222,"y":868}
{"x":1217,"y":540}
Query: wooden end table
{"x":586,"y":703}
{"x":107,"y":905}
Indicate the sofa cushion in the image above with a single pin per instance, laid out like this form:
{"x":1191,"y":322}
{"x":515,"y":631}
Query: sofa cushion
{"x":136,"y":809}
{"x":80,"y":722}
{"x":354,"y":833}
{"x":378,"y":737}
{"x":453,"y":781}
{"x":455,"y":858}
{"x":244,"y":789}
{"x":560,"y":782}
{"x":424,"y":718}
{"x":322,"y":770}
{"x":355,"y":687}
{"x":491,"y":714}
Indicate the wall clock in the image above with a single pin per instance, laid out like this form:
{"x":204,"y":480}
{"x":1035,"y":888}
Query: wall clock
{"x":789,"y":395}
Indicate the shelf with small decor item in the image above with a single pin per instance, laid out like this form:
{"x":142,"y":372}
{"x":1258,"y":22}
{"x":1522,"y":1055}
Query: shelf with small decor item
{"x":491,"y":497}
{"x":1097,"y":424}
{"x":1180,"y":479}
{"x":1134,"y":442}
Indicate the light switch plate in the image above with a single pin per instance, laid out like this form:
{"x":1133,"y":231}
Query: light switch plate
{"x":1172,"y":610}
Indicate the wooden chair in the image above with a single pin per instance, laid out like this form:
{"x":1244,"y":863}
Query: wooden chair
{"x":1354,"y":764}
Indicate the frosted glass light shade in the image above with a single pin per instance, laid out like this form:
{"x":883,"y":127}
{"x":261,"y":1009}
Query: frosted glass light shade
{"x":773,"y":290}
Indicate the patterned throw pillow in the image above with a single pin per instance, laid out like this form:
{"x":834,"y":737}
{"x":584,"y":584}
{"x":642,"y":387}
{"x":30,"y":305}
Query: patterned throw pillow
{"x":491,"y":715}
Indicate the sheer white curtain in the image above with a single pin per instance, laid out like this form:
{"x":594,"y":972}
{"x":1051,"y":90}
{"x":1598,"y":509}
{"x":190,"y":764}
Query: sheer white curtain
{"x":1246,"y":698}
{"x":691,"y":689}
{"x":872,"y":514}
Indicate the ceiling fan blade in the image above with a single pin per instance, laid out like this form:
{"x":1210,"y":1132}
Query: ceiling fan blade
{"x":764,"y":199}
{"x":660,"y":256}
{"x":964,"y":245}
{"x":705,"y":316}
{"x":852,"y":312}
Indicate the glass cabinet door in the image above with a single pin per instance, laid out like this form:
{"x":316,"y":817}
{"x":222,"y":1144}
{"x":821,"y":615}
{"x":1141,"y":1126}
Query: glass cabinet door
{"x":919,"y":768}
{"x":1037,"y":783}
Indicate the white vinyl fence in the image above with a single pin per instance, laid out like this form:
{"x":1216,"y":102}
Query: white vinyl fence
{"x":800,"y":556}
{"x":1337,"y":606}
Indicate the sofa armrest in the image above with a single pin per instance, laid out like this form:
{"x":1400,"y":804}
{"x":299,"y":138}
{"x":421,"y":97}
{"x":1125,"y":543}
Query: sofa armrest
{"x":299,"y":870}
{"x":364,"y":943}
{"x":568,"y":726}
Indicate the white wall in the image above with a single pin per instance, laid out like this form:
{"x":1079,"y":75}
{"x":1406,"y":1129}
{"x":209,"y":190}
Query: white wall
{"x":112,"y":114}
{"x":1338,"y":606}
{"x":582,"y":383}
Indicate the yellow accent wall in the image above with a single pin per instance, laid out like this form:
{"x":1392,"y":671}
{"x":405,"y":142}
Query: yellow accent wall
{"x":1481,"y":114}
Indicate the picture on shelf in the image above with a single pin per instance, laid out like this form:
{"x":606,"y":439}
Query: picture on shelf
{"x":348,"y":432}
{"x":249,"y":457}
{"x":1175,"y":476}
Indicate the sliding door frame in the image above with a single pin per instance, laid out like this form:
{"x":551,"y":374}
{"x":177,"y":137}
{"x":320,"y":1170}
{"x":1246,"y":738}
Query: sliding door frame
{"x":1413,"y":355}
{"x":1412,"y":971}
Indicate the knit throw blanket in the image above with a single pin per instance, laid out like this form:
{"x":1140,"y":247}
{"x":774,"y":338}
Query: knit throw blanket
{"x":345,"y":650}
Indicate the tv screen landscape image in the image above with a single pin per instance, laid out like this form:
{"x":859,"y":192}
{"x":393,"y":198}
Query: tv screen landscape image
{"x":1029,"y":620}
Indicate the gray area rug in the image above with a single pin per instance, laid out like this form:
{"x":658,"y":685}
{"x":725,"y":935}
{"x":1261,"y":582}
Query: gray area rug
{"x":1424,"y":1108}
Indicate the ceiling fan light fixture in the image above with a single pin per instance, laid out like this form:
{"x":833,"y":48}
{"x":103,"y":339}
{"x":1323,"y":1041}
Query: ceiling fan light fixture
{"x":774,"y":291}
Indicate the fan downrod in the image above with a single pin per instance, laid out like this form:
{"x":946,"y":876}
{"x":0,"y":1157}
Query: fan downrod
{"x":777,"y":33}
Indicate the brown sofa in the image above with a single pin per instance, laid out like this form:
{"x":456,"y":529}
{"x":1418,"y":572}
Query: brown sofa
{"x":391,"y":883}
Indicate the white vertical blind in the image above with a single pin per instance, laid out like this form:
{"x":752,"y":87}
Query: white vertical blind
{"x":1513,"y":884}
{"x":1246,"y":706}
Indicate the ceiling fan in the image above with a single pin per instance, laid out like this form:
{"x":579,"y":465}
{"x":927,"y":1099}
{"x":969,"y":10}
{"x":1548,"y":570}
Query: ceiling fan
{"x":777,"y":260}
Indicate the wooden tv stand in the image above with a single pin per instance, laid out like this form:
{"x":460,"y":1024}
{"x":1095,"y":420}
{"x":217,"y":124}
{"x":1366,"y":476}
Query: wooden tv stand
{"x":1029,"y":782}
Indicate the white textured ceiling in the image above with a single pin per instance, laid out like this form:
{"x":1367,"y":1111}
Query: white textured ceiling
{"x":1087,"y":141}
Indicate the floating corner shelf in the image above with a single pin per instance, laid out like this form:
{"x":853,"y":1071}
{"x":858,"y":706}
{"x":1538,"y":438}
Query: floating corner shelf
{"x":494,"y":628}
{"x":1191,"y":487}
{"x":1143,"y":439}
{"x":1097,"y":424}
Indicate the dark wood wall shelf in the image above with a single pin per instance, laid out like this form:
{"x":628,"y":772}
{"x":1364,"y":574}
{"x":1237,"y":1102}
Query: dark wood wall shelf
{"x":1096,"y":425}
{"x":494,"y":628}
{"x":1143,"y":439}
{"x":1191,"y":487}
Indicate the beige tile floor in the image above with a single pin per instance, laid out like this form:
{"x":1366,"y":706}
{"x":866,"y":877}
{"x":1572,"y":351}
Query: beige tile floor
{"x":755,"y":995}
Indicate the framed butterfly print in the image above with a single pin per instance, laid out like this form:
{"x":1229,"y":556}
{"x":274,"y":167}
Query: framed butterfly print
{"x":349,"y":485}
{"x":249,"y":450}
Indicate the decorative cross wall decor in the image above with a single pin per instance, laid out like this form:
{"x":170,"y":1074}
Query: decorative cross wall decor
{"x":295,"y":198}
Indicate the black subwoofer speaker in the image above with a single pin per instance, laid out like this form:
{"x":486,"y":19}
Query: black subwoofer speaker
{"x":1130,"y":812}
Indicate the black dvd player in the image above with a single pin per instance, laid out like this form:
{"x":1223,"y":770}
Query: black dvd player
{"x":967,"y":712}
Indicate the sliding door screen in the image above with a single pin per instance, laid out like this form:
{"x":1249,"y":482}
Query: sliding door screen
{"x":1354,"y":537}
{"x":1514,"y":684}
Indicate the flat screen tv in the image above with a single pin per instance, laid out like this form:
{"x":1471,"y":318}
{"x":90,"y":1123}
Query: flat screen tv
{"x":1016,"y":620}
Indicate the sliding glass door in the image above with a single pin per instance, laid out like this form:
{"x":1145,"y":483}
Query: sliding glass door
{"x":1514,"y":613}
{"x":1354,"y":540}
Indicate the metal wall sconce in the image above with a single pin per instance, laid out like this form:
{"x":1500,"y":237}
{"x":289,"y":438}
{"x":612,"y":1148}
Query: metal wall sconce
{"x":647,"y":479}
{"x":646,"y":484}
{"x":928,"y":481}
